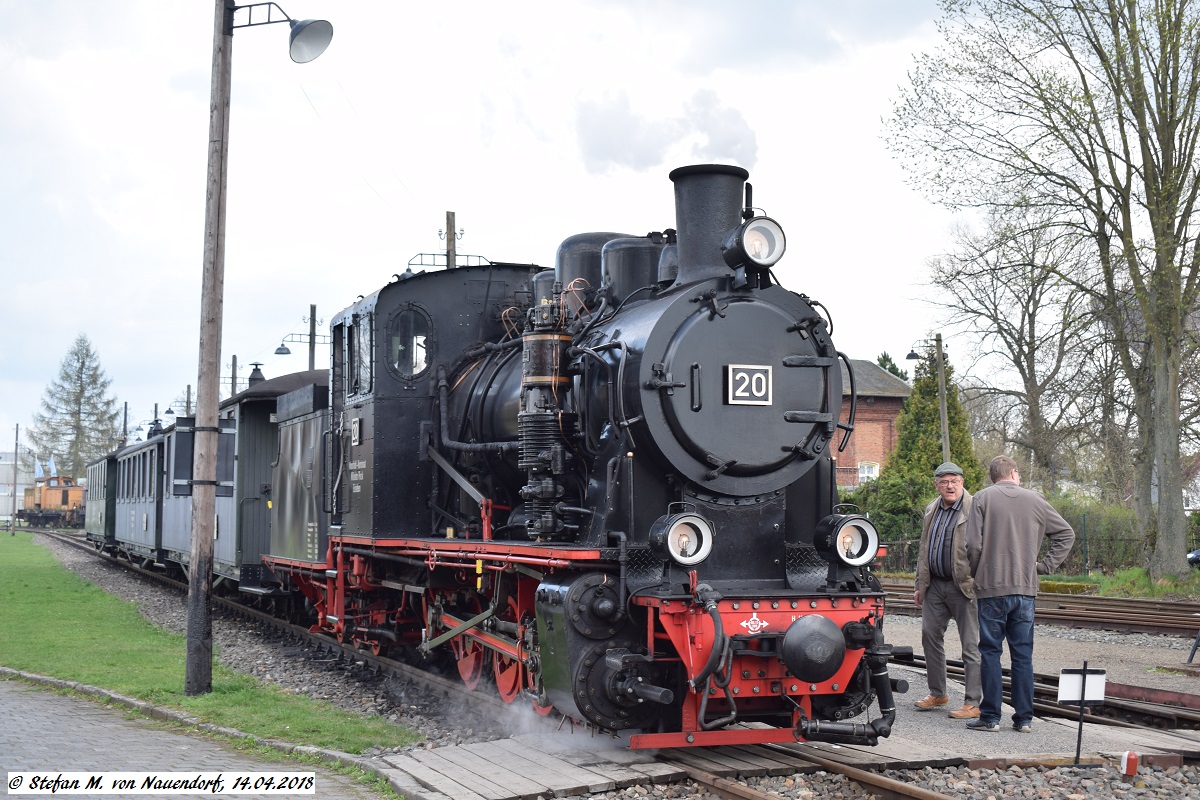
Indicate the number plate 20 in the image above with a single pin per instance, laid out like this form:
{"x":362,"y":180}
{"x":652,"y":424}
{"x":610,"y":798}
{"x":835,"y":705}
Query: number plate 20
{"x":747,"y":385}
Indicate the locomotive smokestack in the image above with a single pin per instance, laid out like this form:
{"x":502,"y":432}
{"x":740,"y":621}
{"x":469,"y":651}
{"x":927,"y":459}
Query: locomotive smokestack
{"x":708,"y":205}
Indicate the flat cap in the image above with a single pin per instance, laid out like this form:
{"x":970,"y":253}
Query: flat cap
{"x":947,"y":468}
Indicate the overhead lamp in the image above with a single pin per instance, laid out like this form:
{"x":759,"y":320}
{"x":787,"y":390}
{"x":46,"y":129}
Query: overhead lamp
{"x":282,"y":350}
{"x":308,"y":39}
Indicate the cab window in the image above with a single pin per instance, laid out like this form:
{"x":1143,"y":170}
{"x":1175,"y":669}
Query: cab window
{"x":358,"y":356}
{"x":409,"y":337}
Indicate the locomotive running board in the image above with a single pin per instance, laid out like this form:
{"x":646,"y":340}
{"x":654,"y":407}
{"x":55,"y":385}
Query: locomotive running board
{"x":730,"y":736}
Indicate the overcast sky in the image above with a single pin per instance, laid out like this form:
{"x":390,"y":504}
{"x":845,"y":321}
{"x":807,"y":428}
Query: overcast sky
{"x":533,"y":121}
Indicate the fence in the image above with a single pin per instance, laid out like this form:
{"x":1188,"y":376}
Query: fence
{"x":1106,"y":540}
{"x":1091,"y":553}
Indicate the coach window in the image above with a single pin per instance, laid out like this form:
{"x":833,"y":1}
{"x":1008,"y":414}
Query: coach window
{"x":410,"y":333}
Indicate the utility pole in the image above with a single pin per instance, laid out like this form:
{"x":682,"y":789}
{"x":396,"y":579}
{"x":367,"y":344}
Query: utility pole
{"x":941,"y":370}
{"x":308,"y":39}
{"x":233,"y":379}
{"x":312,"y":337}
{"x":451,"y":246}
{"x":199,"y":652}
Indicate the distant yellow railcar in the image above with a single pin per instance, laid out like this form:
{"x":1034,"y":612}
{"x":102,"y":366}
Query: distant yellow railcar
{"x":54,"y":502}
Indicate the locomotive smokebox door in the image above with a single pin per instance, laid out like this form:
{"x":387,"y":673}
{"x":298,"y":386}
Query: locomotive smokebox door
{"x":723,"y":401}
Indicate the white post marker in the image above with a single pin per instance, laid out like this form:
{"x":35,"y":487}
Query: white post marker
{"x":1081,"y":687}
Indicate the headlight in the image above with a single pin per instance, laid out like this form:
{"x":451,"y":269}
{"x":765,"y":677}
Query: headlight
{"x":757,"y":242}
{"x":685,"y":538}
{"x":849,"y":539}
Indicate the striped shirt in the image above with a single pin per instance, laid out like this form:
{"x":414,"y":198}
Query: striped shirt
{"x":941,"y":540}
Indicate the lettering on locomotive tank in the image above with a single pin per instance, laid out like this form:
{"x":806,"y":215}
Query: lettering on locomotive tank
{"x":747,"y":385}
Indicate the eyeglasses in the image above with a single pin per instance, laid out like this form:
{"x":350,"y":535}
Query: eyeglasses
{"x":948,"y":481}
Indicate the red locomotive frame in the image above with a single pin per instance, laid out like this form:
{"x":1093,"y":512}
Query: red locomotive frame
{"x":347,"y":599}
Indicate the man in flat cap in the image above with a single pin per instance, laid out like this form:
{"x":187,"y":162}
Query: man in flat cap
{"x":945,"y":590}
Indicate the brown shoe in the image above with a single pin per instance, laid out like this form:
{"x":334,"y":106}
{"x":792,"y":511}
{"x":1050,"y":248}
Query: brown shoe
{"x":931,"y":702}
{"x":968,"y":711}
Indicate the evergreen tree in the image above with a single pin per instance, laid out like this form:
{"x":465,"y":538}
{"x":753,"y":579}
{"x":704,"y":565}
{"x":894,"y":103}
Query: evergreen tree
{"x":891,"y":366}
{"x":896,"y":500}
{"x":77,"y":422}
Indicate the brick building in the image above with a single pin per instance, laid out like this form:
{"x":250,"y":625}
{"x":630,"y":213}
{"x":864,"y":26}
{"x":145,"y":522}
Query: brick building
{"x":881,"y":398}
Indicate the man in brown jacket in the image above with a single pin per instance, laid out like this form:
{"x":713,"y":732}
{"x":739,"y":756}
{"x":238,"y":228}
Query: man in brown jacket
{"x":1005,"y":530}
{"x":945,"y":590}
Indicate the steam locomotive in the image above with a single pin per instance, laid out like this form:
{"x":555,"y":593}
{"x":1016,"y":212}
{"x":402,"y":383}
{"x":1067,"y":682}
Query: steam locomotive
{"x":605,"y":489}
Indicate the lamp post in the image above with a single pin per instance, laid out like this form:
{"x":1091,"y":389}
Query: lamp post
{"x":941,"y":377}
{"x":12,"y":521}
{"x":313,"y":339}
{"x":308,"y":39}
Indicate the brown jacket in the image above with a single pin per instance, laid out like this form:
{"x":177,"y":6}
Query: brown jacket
{"x":1004,"y":536}
{"x":960,"y":566}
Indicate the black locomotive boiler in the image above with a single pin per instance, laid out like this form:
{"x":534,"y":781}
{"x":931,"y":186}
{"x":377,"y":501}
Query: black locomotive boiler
{"x":606,"y":488}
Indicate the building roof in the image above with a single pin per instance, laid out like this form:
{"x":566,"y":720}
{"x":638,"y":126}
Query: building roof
{"x":872,"y":380}
{"x":274,"y":387}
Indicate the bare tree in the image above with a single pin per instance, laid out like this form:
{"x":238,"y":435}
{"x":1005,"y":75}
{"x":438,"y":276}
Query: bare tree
{"x":1003,"y":287}
{"x":1110,"y":434}
{"x":1087,"y":111}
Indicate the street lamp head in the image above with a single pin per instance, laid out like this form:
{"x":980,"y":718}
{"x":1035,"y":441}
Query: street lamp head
{"x":308,"y":39}
{"x":282,"y":350}
{"x":912,"y":356}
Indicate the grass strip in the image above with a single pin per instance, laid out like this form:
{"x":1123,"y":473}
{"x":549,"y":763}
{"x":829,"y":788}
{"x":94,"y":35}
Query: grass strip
{"x":54,"y":623}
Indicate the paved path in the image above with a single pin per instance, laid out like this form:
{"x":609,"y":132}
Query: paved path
{"x":44,"y":731}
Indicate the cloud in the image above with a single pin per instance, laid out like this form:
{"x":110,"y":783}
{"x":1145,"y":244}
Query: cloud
{"x":612,"y":135}
{"x":725,"y":133}
{"x":754,"y":33}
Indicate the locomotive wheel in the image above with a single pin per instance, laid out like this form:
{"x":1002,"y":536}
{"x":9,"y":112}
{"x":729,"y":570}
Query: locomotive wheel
{"x":471,"y":659}
{"x":532,"y":686}
{"x":508,"y":671}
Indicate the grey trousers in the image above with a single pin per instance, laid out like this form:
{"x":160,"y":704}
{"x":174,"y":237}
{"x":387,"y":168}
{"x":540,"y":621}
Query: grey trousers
{"x":945,"y":601}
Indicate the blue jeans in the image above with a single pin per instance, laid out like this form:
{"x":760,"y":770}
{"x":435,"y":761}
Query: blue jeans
{"x":1008,"y":617}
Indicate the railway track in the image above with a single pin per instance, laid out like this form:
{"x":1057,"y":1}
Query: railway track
{"x":1124,"y":706}
{"x":1120,"y":614}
